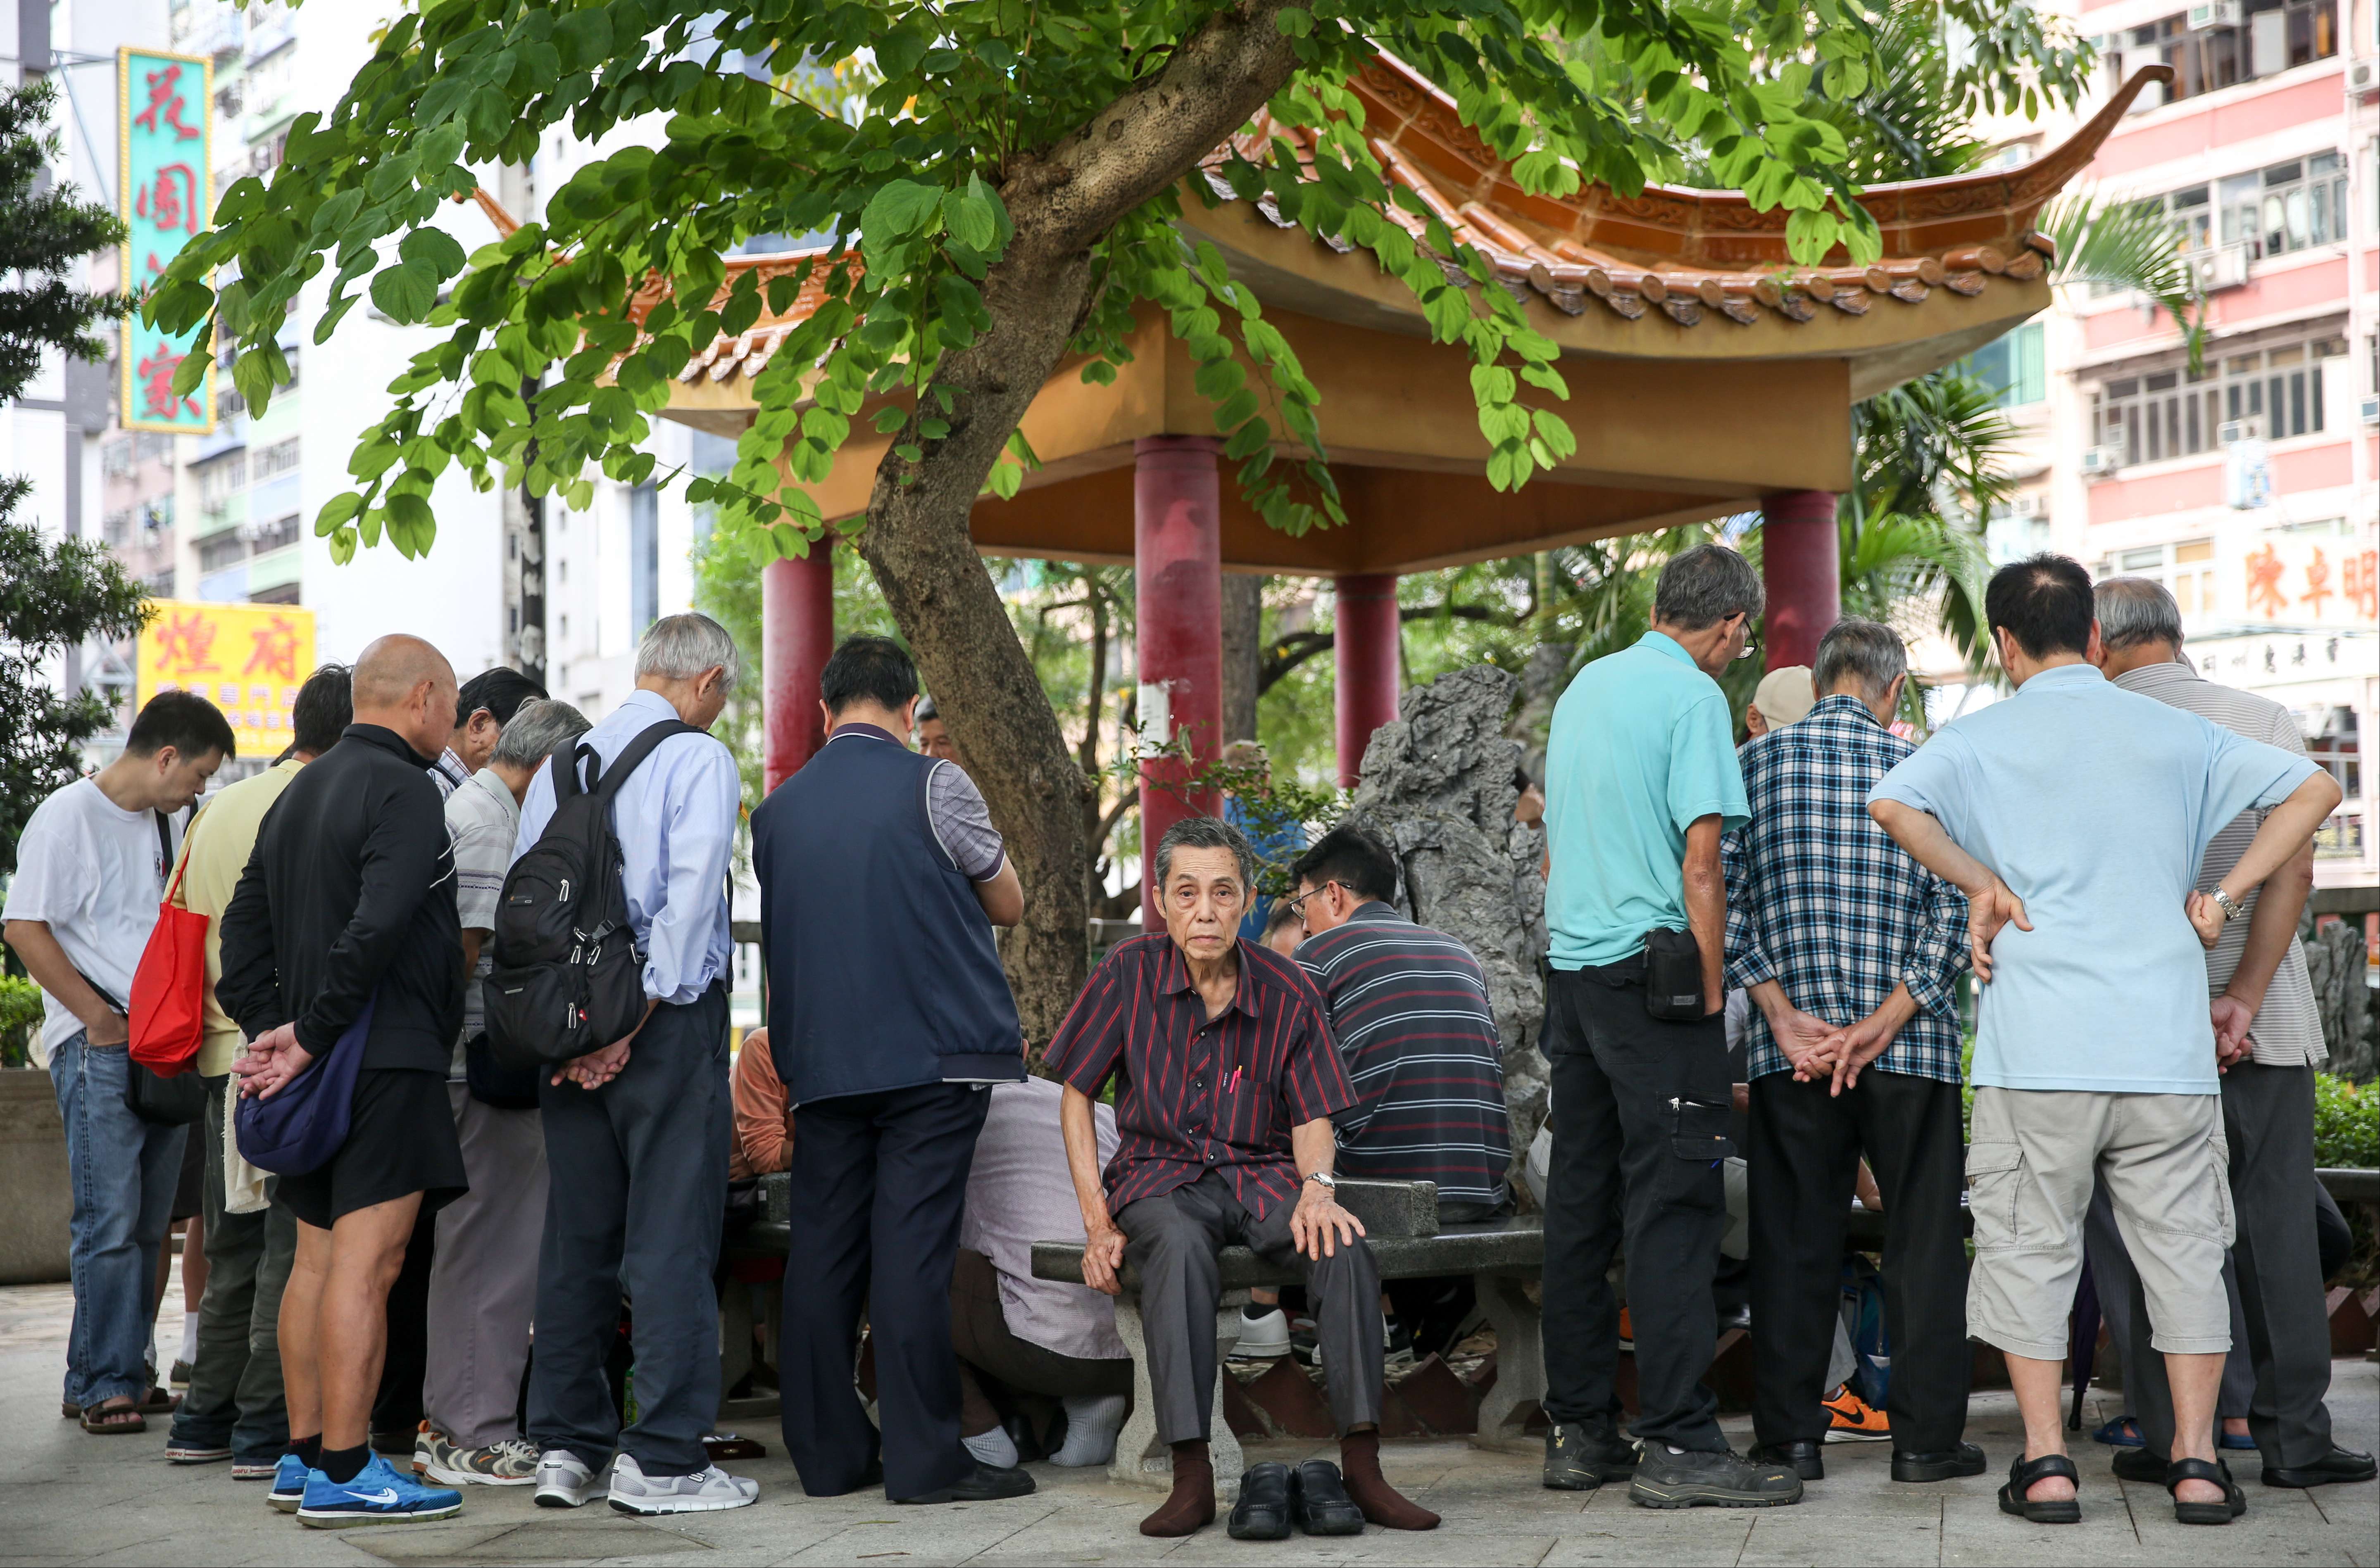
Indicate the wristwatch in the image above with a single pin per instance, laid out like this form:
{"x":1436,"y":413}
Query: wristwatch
{"x":2229,"y":905}
{"x":1329,"y":1183}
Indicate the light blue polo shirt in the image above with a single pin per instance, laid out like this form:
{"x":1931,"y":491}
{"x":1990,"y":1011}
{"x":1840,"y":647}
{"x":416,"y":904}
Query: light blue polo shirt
{"x":1642,"y":745}
{"x":2095,"y":804}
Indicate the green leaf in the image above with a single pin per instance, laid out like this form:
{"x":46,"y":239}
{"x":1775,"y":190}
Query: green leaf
{"x":405,"y":292}
{"x":899,"y":208}
{"x":971,"y":220}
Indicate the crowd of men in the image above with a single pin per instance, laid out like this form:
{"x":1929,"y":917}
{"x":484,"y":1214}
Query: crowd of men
{"x":453,"y":1279}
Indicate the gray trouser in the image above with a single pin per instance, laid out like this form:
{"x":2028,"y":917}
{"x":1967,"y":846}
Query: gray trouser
{"x":638,"y":1187}
{"x":2268,"y":1124}
{"x":483,"y":1283}
{"x":2119,"y":1284}
{"x":235,"y":1392}
{"x":1173,"y":1240}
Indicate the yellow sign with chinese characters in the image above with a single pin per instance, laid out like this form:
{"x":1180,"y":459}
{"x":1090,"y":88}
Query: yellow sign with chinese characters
{"x":248,"y":659}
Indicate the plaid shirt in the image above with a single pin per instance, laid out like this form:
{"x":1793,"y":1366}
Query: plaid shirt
{"x":1822,"y":901}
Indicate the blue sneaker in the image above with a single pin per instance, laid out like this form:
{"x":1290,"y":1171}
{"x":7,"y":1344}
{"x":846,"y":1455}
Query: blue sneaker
{"x":378,"y":1495}
{"x":288,"y":1484}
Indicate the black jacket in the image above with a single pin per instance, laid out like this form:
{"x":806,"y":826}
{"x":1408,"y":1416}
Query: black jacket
{"x":349,"y":891}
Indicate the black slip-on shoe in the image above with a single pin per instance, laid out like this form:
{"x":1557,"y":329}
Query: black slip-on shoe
{"x":2339,"y":1464}
{"x":1263,"y":1511}
{"x":1318,"y":1494}
{"x":1804,"y":1459}
{"x":2139,"y":1464}
{"x":1964,"y":1460}
{"x":982,"y":1483}
{"x":1580,"y":1458}
{"x":1713,"y":1480}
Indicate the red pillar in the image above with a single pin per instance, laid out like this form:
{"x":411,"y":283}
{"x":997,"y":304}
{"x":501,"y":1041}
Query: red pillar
{"x":796,"y":635}
{"x":1178,"y":571}
{"x":1801,"y":565}
{"x":1367,"y":649}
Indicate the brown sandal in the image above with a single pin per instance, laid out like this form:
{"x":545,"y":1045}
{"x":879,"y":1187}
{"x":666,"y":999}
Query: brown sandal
{"x":113,"y":1417}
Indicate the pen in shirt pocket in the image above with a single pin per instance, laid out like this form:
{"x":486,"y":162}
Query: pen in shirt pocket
{"x":1232,"y":1084}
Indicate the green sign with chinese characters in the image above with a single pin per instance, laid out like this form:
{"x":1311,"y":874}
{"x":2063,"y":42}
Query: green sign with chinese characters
{"x":164,"y":193}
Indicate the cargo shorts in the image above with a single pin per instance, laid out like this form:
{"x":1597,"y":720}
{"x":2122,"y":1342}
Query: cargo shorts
{"x":2031,"y":1159}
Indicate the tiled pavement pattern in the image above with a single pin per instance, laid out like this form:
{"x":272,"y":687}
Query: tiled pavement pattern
{"x":69,"y":1498}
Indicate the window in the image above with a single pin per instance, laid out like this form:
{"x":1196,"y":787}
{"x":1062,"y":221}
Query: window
{"x":2187,"y":570}
{"x":223,"y":549}
{"x":275,"y":534}
{"x":2011,"y":366}
{"x":2287,"y":207}
{"x":2169,"y":414}
{"x":116,"y":459}
{"x":279,"y":458}
{"x":2280,"y":390}
{"x":2338,"y":748}
{"x":2278,"y":35}
{"x":223,"y":479}
{"x":644,"y":558}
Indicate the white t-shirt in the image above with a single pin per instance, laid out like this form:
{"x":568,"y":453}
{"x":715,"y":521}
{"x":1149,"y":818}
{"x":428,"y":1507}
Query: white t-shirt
{"x":94,"y":874}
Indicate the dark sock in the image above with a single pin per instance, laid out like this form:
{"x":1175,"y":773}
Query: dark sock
{"x":343,"y":1464}
{"x":1359,"y":1464}
{"x":309,"y":1450}
{"x":1193,"y":1501}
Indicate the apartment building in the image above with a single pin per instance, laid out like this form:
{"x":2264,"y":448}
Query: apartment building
{"x":2249,"y":481}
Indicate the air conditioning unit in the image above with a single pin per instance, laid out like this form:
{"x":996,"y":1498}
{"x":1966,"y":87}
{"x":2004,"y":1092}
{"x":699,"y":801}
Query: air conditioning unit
{"x":2231,"y":432}
{"x":2026,"y":508}
{"x":2103,"y":459}
{"x":2219,"y":267}
{"x":2216,"y":13}
{"x":2362,"y":76}
{"x":2369,"y":410}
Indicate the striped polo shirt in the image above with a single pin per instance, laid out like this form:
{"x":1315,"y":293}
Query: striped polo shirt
{"x":1196,"y":1094}
{"x":1409,"y":1009}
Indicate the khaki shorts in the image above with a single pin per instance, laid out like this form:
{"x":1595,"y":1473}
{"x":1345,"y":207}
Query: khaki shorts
{"x":2032,"y":1158}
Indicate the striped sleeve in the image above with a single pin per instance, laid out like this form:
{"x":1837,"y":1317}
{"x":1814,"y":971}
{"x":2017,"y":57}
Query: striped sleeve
{"x":1314,"y":1080}
{"x":1089,"y":1043}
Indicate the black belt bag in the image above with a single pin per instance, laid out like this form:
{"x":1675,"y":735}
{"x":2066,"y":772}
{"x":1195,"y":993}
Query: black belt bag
{"x":1673,"y":976}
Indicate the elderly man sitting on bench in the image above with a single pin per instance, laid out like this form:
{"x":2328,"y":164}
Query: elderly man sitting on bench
{"x":1221,"y":1049}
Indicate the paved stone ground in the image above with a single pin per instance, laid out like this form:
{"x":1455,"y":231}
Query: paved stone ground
{"x":65,"y":1496}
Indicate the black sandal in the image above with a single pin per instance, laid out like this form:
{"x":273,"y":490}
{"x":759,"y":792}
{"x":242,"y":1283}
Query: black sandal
{"x":2234,"y":1503}
{"x":2023,"y":1473}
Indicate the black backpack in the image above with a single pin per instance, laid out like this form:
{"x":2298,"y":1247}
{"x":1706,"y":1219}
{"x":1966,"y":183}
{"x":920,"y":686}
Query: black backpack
{"x":566,"y":977}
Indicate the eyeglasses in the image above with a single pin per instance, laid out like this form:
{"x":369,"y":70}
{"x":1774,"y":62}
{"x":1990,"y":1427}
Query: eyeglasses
{"x":1748,"y":649}
{"x":1298,"y":905}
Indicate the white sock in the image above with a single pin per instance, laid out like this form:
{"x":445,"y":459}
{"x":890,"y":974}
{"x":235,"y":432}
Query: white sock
{"x":1092,"y":1423}
{"x":994,"y":1448}
{"x":189,"y":1354}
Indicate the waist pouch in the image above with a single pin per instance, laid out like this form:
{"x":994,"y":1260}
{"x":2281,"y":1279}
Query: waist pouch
{"x":306,"y":1123}
{"x":1673,"y":976}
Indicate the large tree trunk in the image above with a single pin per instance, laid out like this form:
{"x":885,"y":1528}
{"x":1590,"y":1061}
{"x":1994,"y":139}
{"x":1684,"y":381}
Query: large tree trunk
{"x":1243,"y":633}
{"x":916,"y":540}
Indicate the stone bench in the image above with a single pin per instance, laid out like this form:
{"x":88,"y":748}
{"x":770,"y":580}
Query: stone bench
{"x":1400,"y":1225}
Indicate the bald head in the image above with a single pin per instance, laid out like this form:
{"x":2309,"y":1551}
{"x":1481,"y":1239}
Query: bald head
{"x":403,"y":683}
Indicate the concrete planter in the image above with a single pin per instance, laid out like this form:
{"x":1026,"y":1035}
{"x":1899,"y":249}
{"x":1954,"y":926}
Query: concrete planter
{"x":34,"y":1195}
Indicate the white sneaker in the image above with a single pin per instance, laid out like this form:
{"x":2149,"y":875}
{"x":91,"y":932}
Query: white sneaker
{"x":706,"y":1492}
{"x":1265,"y":1338}
{"x":563,"y":1479}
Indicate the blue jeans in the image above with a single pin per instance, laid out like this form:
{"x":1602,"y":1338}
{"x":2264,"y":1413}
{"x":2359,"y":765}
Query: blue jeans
{"x":123,"y":1172}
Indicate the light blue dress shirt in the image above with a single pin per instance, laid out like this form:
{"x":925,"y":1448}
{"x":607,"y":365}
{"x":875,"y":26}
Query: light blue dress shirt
{"x":1642,"y":745}
{"x":2095,"y":804}
{"x":676,"y":819}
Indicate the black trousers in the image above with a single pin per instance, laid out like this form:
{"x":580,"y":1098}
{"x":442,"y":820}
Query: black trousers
{"x":2269,"y":1122}
{"x":879,"y":1181}
{"x":1640,"y":1117}
{"x":1805,"y":1151}
{"x":639,"y":1185}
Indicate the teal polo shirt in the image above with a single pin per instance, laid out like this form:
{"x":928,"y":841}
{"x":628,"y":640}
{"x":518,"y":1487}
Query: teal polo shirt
{"x":1642,"y":744}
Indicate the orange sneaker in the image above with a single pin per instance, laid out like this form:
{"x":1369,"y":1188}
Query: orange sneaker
{"x":1627,"y":1332}
{"x":1851,"y":1418}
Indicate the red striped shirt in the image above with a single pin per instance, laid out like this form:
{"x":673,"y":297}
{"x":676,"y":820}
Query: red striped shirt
{"x":1198,"y":1094}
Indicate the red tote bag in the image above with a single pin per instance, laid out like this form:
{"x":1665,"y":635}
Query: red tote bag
{"x":169,"y":988}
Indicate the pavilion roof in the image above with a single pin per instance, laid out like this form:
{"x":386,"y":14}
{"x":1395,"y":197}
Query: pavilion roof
{"x":1673,"y":254}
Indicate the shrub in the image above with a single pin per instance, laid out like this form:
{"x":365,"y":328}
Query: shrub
{"x":20,"y":1015}
{"x":2346,"y":1123}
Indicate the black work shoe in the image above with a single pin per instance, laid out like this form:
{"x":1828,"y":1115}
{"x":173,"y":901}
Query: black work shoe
{"x":1580,"y":1458}
{"x":982,"y":1483}
{"x":2339,"y":1465}
{"x":2139,"y":1464}
{"x":1318,"y":1495}
{"x":1721,"y":1479}
{"x":1804,"y":1459}
{"x":1265,"y":1502}
{"x":1964,"y":1460}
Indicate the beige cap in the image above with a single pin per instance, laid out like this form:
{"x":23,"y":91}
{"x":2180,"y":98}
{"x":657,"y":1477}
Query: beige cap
{"x":1785,"y":696}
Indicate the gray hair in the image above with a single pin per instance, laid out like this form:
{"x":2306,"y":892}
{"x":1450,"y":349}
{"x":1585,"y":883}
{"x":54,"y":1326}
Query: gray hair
{"x":1865,"y":652}
{"x":1205,"y":833}
{"x":1705,"y":585}
{"x":679,"y":648}
{"x":540,"y":727}
{"x":2133,"y":610}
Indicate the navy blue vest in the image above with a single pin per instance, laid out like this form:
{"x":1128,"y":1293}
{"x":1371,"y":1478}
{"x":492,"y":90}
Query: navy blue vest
{"x":882,"y":969}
